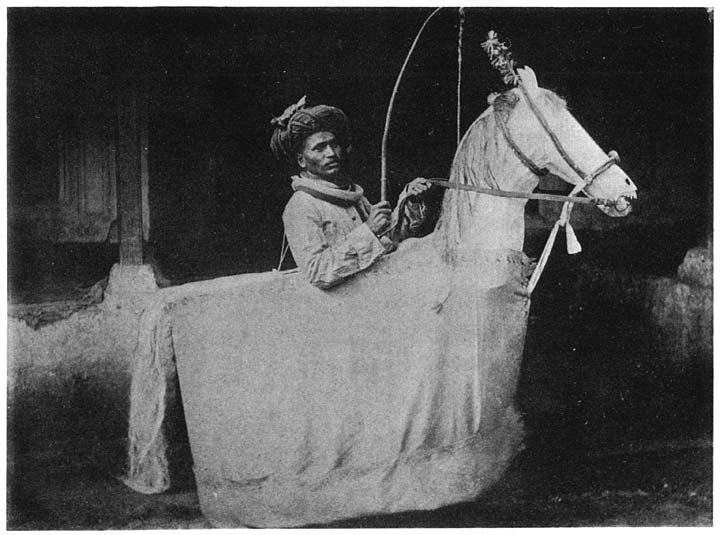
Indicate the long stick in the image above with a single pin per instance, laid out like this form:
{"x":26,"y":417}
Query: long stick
{"x":518,"y":194}
{"x":461,"y":22}
{"x":383,"y":150}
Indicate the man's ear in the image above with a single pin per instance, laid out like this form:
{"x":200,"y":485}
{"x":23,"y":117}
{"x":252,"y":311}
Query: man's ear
{"x":300,"y":159}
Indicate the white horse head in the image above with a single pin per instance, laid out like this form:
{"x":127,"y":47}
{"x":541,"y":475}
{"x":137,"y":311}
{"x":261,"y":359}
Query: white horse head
{"x":524,"y":133}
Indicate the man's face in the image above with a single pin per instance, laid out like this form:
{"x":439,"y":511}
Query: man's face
{"x":321,"y":155}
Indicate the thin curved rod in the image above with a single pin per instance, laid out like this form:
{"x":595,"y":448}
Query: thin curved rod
{"x":383,"y":150}
{"x":461,"y":22}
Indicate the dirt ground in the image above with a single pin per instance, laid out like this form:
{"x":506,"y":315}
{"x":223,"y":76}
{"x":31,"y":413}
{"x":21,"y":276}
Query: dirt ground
{"x":649,"y":484}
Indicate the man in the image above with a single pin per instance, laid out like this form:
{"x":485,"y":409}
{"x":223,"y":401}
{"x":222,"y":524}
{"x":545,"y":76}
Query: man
{"x":332,"y":229}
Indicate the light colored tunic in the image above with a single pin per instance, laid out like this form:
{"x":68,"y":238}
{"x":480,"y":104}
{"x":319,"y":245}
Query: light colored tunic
{"x":329,"y":242}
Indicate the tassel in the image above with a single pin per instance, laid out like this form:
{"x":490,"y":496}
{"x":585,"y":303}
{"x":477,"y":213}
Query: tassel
{"x":573,"y":245}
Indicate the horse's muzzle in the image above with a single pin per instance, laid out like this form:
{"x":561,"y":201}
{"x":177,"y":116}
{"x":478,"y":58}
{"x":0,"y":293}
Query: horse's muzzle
{"x":621,"y":207}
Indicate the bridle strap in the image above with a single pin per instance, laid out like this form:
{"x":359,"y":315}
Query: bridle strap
{"x":613,"y":159}
{"x":561,"y":150}
{"x":519,"y":153}
{"x":588,"y":179}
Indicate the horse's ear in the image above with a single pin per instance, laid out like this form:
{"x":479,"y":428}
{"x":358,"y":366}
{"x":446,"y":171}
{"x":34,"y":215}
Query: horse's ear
{"x":528,"y":79}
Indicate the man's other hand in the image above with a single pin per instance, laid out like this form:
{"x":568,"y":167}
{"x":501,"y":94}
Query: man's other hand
{"x":379,"y":218}
{"x":418,"y":186}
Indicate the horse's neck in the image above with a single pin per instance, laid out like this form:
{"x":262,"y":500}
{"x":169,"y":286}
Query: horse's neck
{"x":483,"y":221}
{"x":499,"y":224}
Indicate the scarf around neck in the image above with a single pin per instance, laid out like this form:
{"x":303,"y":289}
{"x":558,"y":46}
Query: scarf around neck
{"x":329,"y":192}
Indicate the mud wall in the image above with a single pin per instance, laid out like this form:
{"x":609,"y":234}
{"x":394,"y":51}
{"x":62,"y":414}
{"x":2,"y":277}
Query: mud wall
{"x":68,"y":385}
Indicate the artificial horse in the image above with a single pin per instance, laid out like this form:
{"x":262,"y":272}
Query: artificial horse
{"x":391,"y":392}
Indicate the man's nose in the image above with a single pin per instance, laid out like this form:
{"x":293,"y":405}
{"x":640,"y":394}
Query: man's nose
{"x":331,"y":150}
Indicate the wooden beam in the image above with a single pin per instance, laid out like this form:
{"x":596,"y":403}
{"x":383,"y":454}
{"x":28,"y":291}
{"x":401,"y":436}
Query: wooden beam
{"x":129,"y":178}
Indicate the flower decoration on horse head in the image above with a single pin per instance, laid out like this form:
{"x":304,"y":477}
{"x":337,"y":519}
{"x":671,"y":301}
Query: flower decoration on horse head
{"x":283,"y":119}
{"x":501,"y":58}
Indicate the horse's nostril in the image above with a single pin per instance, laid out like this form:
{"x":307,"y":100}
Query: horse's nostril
{"x":627,"y":181}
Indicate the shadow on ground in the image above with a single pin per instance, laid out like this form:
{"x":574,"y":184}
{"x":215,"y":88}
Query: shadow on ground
{"x":664,"y":484}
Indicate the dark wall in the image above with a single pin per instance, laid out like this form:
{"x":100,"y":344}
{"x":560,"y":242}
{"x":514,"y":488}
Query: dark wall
{"x":639,"y":80}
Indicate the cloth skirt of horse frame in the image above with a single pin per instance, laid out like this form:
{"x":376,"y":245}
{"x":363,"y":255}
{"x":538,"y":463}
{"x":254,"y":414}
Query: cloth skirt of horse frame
{"x":393,"y":392}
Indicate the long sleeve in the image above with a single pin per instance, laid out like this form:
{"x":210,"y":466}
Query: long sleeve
{"x":329,"y":243}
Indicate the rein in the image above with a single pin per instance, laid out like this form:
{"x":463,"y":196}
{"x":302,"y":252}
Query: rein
{"x":521,"y":195}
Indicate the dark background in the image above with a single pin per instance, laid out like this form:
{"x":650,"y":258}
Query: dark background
{"x":639,"y":80}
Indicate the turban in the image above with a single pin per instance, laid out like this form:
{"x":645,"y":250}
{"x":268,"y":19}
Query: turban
{"x":298,"y":122}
